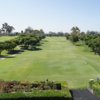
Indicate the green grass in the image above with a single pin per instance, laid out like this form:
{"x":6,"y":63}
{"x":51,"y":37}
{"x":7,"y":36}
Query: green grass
{"x":37,"y":93}
{"x":5,"y":38}
{"x":59,"y":60}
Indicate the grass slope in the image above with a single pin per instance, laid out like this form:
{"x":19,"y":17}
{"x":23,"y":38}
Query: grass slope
{"x":58,"y":60}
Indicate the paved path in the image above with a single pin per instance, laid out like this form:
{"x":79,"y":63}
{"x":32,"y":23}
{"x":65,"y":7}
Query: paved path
{"x":83,"y":95}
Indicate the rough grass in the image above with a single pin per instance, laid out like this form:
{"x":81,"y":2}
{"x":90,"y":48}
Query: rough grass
{"x":59,"y":60}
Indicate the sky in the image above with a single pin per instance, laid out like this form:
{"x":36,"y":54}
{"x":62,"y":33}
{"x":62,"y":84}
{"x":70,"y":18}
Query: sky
{"x":51,"y":15}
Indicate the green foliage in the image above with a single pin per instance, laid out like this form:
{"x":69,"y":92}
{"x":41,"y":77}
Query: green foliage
{"x":17,"y":86}
{"x":36,"y":93}
{"x":29,"y":41}
{"x":75,"y":34}
{"x":91,"y":38}
{"x":95,"y":85}
{"x":7,"y":45}
{"x":74,"y":38}
{"x":1,"y":47}
{"x":17,"y":89}
{"x":56,"y":34}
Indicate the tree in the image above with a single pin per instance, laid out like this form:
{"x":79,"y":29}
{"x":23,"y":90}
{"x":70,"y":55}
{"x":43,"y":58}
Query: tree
{"x":82,"y":36}
{"x":7,"y":29}
{"x":27,"y":41}
{"x":1,"y":47}
{"x":28,"y":30}
{"x":67,"y":36}
{"x":10,"y":29}
{"x":60,"y":34}
{"x":0,"y":31}
{"x":10,"y":45}
{"x":75,"y":32}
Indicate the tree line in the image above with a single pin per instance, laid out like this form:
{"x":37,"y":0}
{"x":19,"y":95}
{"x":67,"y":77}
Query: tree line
{"x":28,"y":39}
{"x":55,"y":34}
{"x":90,"y":38}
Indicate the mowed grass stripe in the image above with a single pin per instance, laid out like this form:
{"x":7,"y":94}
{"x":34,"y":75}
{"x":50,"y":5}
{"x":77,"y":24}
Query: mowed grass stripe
{"x":59,"y":60}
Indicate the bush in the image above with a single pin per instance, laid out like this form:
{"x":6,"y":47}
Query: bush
{"x":46,"y":89}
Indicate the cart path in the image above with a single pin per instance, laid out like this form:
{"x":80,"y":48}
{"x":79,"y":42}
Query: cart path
{"x":83,"y":95}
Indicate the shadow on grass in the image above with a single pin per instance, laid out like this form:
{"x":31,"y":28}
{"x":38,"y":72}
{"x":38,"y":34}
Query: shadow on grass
{"x":35,"y":49}
{"x":12,"y":52}
{"x":15,"y":51}
{"x":3,"y":57}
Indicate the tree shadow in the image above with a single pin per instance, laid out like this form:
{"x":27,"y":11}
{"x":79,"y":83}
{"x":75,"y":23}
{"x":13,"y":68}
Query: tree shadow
{"x":35,"y":49}
{"x":15,"y":51}
{"x":3,"y":57}
{"x":11,"y":52}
